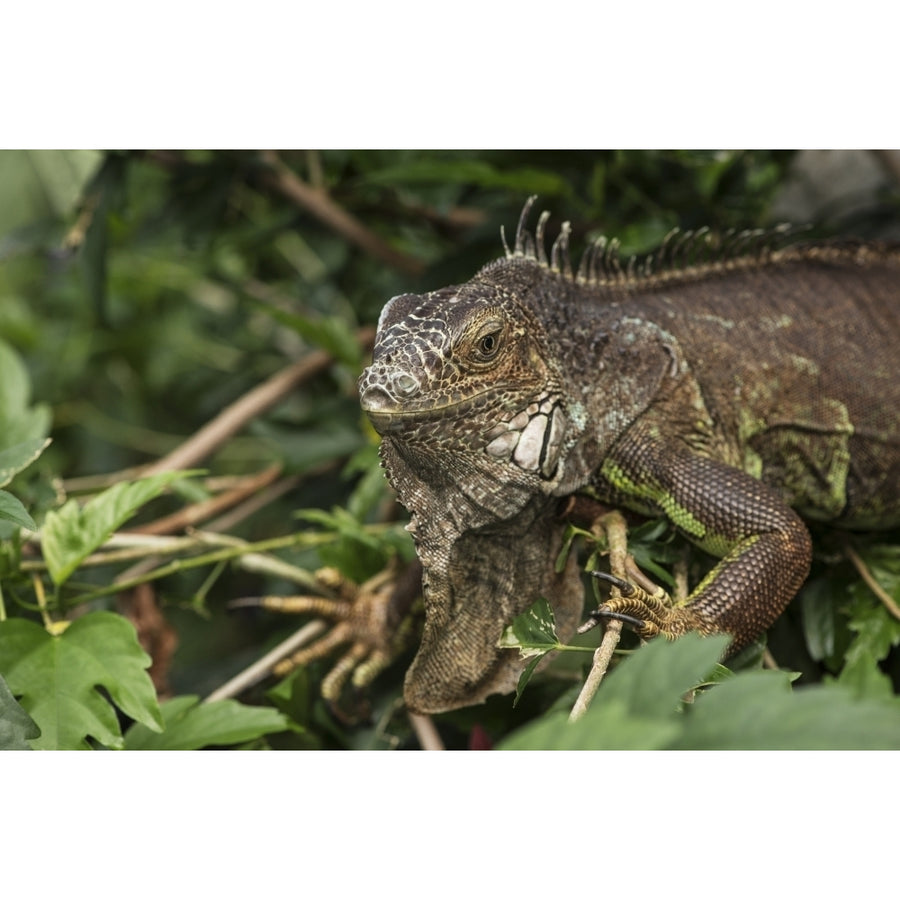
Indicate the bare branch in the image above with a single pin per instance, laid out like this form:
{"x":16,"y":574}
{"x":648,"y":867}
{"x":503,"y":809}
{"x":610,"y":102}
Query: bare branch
{"x":614,"y":525}
{"x":317,"y":203}
{"x":200,"y":512}
{"x":234,"y":417}
{"x":428,"y":736}
{"x":867,"y":576}
{"x":263,"y":666}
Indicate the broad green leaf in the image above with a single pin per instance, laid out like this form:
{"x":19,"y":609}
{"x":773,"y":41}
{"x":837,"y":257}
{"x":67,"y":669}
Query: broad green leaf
{"x":877,"y":631}
{"x":61,"y":679}
{"x":16,"y":726}
{"x":637,"y":706}
{"x":42,"y":183}
{"x":12,"y":510}
{"x":190,"y":724}
{"x":14,"y":459}
{"x":652,"y":681}
{"x":72,"y":533}
{"x":758,"y":711}
{"x":606,"y":726}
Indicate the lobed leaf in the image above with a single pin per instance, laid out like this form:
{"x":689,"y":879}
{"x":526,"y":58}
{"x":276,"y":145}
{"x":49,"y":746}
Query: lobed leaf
{"x":59,"y":678}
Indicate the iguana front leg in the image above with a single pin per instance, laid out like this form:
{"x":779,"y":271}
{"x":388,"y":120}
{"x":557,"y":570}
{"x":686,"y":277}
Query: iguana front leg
{"x":764,"y":547}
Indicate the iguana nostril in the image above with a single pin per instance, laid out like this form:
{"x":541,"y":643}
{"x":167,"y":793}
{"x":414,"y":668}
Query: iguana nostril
{"x":376,"y":399}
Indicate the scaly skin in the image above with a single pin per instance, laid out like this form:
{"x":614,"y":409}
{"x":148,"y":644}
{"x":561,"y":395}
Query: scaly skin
{"x":735,"y":396}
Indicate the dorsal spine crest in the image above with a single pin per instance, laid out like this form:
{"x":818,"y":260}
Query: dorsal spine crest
{"x":682,"y":255}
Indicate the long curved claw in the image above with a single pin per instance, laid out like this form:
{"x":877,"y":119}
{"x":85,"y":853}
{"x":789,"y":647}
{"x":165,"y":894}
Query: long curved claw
{"x":647,"y":612}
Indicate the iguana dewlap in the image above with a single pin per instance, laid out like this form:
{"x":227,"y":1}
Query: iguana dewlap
{"x":733,"y":393}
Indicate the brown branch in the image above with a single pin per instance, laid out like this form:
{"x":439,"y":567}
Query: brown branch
{"x":424,"y":729}
{"x":234,"y":417}
{"x":319,"y":204}
{"x":205,"y":509}
{"x":614,"y":526}
{"x":260,"y":500}
{"x":262,"y":668}
{"x":311,"y":198}
{"x":867,"y":576}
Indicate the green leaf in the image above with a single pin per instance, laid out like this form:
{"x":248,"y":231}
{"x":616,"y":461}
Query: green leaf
{"x":71,"y":532}
{"x":12,"y":510}
{"x":863,"y":678}
{"x":190,"y":724}
{"x":817,"y":606}
{"x":59,"y":678}
{"x":42,"y":183}
{"x":14,"y":459}
{"x":525,"y":677}
{"x":609,"y":726}
{"x":533,"y":633}
{"x":652,"y":681}
{"x":758,"y":711}
{"x":19,"y":421}
{"x":637,"y":706}
{"x":16,"y":726}
{"x":877,"y":631}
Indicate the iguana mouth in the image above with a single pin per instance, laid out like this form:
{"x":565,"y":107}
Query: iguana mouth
{"x":388,"y":416}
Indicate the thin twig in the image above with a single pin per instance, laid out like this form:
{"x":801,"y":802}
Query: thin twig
{"x":427,"y":734}
{"x":317,"y":203}
{"x":205,"y":509}
{"x":614,"y":525}
{"x":867,"y":576}
{"x":234,"y":417}
{"x":263,"y":666}
{"x":260,"y":500}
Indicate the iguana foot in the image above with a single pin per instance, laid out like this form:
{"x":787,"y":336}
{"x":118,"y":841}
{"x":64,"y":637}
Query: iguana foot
{"x":647,"y":612}
{"x":372,"y":618}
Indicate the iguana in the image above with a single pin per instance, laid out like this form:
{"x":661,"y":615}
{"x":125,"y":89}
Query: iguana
{"x":735,"y":389}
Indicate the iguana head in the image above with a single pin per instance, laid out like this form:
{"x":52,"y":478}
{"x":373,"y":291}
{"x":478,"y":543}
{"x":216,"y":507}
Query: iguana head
{"x":466,"y":393}
{"x":467,"y":369}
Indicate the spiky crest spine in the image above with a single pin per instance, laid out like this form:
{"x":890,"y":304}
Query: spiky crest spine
{"x":682,"y":256}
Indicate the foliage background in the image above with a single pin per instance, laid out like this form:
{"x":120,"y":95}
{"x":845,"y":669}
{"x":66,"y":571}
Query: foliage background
{"x":143,"y":292}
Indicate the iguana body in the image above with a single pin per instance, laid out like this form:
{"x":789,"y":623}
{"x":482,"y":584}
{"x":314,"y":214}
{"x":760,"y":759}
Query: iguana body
{"x":734,"y":396}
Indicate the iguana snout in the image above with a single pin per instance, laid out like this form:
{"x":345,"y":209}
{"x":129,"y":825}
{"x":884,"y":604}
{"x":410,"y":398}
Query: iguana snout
{"x":382,"y":393}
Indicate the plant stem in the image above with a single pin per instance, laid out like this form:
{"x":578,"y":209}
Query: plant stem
{"x":300,"y":539}
{"x":613,"y":524}
{"x":262,"y":667}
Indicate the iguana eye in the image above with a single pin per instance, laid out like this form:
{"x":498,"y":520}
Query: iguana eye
{"x":488,"y":345}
